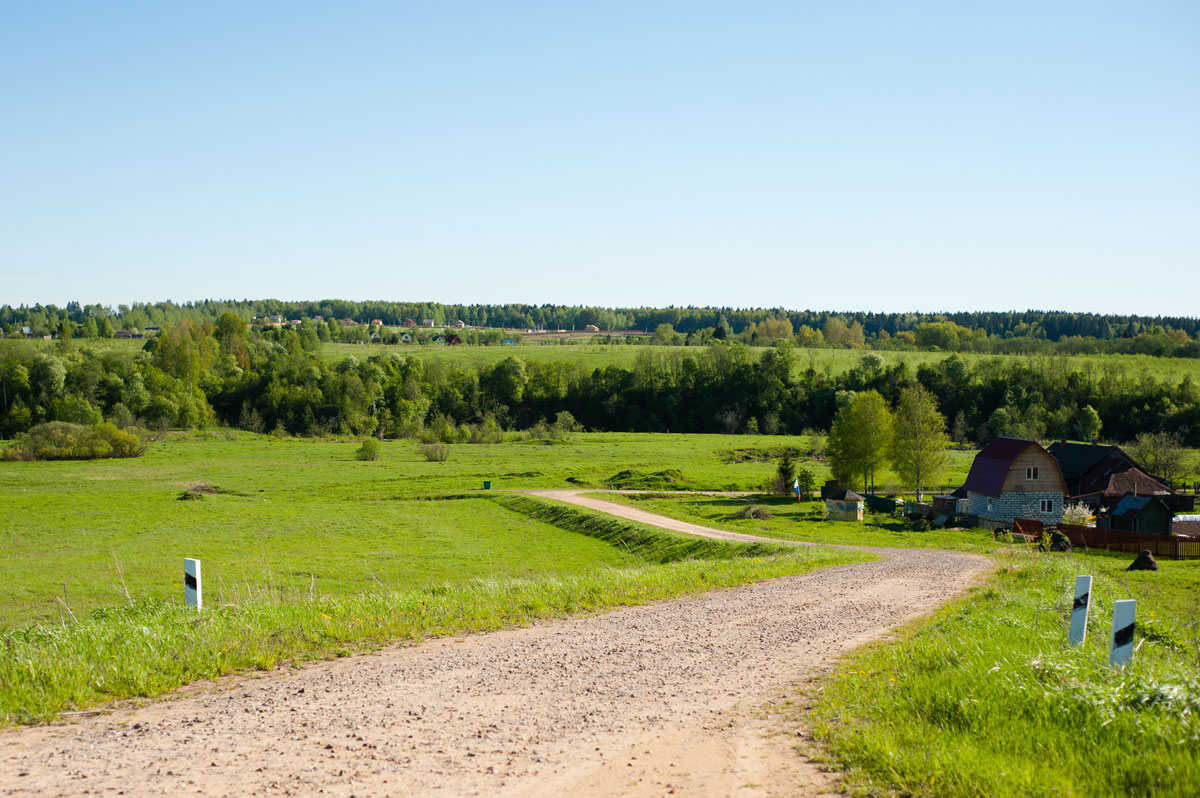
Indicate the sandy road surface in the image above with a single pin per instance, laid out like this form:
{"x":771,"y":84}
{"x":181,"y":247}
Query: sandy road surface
{"x":646,"y":700}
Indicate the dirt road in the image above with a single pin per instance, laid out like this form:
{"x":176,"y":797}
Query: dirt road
{"x":646,"y":700}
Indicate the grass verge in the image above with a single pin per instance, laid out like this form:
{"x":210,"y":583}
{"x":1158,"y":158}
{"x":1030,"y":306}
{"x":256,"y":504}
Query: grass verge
{"x":985,"y":697}
{"x":155,"y":646}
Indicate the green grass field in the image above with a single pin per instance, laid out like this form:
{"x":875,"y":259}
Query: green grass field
{"x":590,"y":356}
{"x":302,"y":514}
{"x":831,"y":361}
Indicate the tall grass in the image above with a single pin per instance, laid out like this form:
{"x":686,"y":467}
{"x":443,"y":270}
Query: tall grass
{"x":986,"y":698}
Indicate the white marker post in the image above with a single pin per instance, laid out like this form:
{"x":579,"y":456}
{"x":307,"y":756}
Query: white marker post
{"x":193,"y":596}
{"x":1124,"y":613}
{"x":1079,"y":610}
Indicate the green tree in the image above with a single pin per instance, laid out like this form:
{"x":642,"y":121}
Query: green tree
{"x":1159,"y":453}
{"x":860,"y":438}
{"x":919,"y":442}
{"x":1087,"y":423}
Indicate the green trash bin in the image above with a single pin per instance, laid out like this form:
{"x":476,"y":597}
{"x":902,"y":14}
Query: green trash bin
{"x":487,"y":484}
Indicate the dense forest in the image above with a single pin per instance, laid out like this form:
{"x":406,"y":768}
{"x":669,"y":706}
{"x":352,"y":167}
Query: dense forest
{"x":197,"y":374}
{"x":1029,"y":331}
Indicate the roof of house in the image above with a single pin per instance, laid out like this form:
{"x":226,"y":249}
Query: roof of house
{"x":991,"y":465}
{"x":1104,"y":480}
{"x":1134,"y":504}
{"x":1075,"y":459}
{"x":843,"y":495}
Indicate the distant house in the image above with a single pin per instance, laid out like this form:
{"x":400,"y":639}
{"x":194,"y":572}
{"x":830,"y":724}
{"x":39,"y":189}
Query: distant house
{"x":1138,"y":514}
{"x":1100,"y":476}
{"x":591,"y":328}
{"x":842,"y":504}
{"x":1186,"y":525}
{"x":122,"y":334}
{"x":409,"y":323}
{"x":1014,"y":478}
{"x":461,"y":325}
{"x":376,"y":322}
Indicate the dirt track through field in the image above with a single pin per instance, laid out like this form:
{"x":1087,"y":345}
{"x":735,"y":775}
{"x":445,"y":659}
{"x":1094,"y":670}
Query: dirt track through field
{"x":675,"y":696}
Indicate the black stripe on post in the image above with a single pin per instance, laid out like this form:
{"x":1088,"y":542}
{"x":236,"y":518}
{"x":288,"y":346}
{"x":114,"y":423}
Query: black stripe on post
{"x":1081,"y":602}
{"x":1123,"y":636}
{"x":189,"y":581}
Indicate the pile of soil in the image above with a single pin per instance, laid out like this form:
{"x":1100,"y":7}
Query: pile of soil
{"x":1144,"y":562}
{"x":198,"y":490}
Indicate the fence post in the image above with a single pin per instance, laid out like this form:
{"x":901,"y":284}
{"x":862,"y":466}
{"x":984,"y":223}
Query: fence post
{"x":1079,"y":610}
{"x":1124,"y":613}
{"x":193,"y":595}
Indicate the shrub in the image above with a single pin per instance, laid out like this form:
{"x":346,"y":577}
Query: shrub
{"x":488,"y":431}
{"x":435,"y":452}
{"x":368,"y":451}
{"x":59,"y":440}
{"x":1076,"y":514}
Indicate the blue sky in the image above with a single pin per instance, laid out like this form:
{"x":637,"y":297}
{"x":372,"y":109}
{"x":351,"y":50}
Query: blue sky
{"x":915,"y":156}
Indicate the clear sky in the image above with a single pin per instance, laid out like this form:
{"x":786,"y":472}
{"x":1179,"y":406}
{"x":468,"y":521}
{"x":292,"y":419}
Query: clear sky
{"x":841,"y":155}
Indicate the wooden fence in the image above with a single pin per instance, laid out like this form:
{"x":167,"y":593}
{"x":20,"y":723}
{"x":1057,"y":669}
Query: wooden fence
{"x":1172,"y":548}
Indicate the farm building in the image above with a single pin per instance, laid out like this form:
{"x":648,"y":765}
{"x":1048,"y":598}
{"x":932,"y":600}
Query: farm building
{"x":1014,"y":478}
{"x":842,"y":504}
{"x":1138,"y":514}
{"x":591,"y":328}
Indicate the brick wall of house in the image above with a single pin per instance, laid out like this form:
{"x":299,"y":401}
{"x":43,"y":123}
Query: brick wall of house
{"x":1008,"y":506}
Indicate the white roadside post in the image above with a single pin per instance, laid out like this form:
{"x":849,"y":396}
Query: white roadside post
{"x":1079,"y":610}
{"x":192,"y":593}
{"x":1124,"y":613}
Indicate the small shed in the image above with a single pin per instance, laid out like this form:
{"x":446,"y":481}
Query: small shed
{"x":1138,"y":514}
{"x":591,"y":328}
{"x":843,"y":504}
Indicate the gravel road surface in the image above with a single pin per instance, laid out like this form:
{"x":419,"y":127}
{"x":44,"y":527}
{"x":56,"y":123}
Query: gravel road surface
{"x":669,"y":697}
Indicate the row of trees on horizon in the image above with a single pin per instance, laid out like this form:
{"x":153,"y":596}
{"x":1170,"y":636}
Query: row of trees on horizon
{"x":996,"y":332}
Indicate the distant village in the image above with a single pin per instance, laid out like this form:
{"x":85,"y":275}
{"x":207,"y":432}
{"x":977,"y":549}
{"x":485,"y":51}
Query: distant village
{"x":1018,"y":485}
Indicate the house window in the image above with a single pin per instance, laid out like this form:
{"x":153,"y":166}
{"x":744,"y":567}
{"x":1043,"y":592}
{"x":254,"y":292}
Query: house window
{"x":1031,"y":472}
{"x":1047,"y":505}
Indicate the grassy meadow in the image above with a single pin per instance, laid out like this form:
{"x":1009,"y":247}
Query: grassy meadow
{"x":309,"y":552}
{"x":294,"y":516}
{"x":986,"y":698}
{"x":591,"y":356}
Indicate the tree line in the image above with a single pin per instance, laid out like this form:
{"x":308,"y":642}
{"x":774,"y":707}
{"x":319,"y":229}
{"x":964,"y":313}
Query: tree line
{"x":195,"y":374}
{"x":1032,"y":331}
